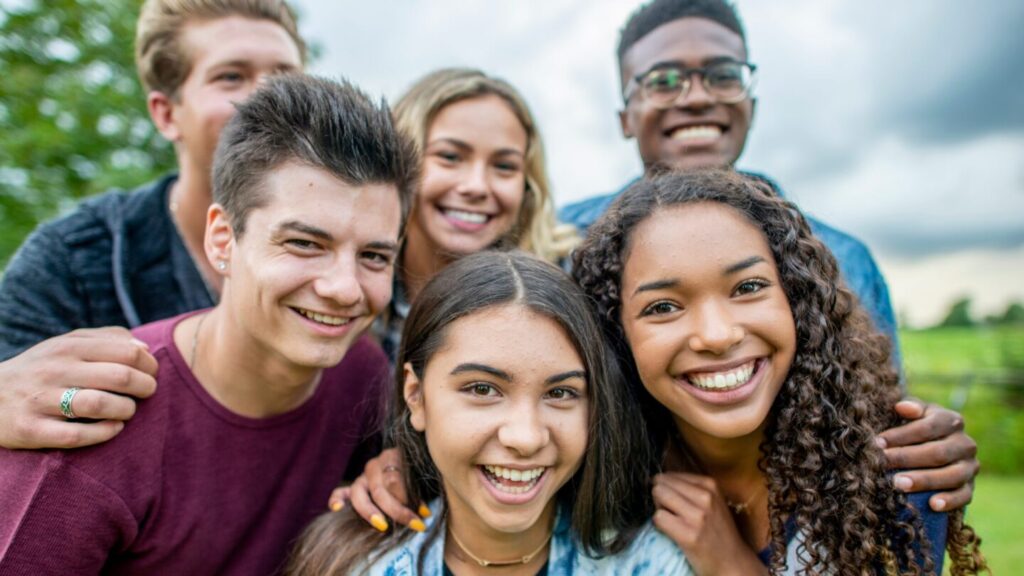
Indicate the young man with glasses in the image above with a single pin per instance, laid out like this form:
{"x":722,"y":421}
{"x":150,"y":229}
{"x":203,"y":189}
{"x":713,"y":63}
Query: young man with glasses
{"x":687,"y":91}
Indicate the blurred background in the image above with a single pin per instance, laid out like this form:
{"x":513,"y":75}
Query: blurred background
{"x":901,"y":123}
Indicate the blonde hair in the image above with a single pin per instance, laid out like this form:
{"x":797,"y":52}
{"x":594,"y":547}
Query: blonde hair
{"x":536,"y":230}
{"x":163,"y":63}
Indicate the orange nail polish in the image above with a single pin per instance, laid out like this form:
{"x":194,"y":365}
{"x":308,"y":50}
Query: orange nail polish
{"x":424,"y":511}
{"x":378,"y":522}
{"x":418,"y":525}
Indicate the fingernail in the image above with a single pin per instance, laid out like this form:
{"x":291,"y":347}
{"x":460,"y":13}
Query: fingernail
{"x":416,"y":525}
{"x":881,"y":443}
{"x":902,"y":482}
{"x":938,"y":504}
{"x":378,"y":522}
{"x":140,"y":343}
{"x":337,"y":505}
{"x":424,"y":511}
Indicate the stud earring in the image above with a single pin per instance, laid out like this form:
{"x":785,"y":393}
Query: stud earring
{"x":222,"y":265}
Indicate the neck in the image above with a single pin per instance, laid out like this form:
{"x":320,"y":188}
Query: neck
{"x":421,"y":260}
{"x":492,"y":545}
{"x":733,"y":464}
{"x":239,"y":372}
{"x":190,"y":198}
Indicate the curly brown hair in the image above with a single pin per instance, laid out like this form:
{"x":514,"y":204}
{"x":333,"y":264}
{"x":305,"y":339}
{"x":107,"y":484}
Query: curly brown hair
{"x":818,"y":455}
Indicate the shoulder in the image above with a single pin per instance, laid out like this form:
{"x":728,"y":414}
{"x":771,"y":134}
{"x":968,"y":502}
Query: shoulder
{"x":585,"y":212}
{"x":650,"y":553}
{"x":365,"y":360}
{"x":402,"y":560}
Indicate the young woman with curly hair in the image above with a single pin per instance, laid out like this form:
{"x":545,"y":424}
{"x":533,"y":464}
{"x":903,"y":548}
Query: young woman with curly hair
{"x":764,"y":383}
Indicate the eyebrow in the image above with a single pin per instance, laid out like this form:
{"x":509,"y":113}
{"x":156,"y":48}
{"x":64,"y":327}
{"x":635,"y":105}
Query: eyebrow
{"x":672,"y":282}
{"x":678,"y":64}
{"x":465,"y":146}
{"x":477,"y":367}
{"x":742,"y":265}
{"x":566,"y":376}
{"x":303,"y":228}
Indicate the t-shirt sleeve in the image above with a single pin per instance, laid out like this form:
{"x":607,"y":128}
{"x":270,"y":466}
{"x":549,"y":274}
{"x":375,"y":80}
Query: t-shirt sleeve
{"x":56,"y":519}
{"x":39,"y":296}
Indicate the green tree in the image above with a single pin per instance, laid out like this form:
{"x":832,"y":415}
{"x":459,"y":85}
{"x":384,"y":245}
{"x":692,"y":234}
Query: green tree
{"x":959,"y":314}
{"x":72,"y":113}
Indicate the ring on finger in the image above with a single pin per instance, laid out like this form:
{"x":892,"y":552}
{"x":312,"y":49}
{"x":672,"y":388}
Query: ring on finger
{"x":391,"y":468}
{"x":65,"y":402}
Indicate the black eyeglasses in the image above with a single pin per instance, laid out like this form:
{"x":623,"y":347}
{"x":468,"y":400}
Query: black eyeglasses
{"x":727,"y":82}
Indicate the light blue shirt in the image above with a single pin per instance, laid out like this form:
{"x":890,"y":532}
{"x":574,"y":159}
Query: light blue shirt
{"x":650,"y":554}
{"x":856,"y":264}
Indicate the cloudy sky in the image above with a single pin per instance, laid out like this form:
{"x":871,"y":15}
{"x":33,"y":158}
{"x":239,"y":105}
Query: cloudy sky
{"x":900,"y":122}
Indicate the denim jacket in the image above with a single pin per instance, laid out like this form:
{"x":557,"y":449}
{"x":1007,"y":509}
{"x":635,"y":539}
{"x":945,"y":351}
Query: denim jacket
{"x":855,"y":262}
{"x":650,"y":554}
{"x":117,"y":260}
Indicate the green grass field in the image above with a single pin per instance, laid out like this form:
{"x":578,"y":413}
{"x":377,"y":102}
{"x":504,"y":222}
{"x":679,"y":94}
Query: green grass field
{"x":979,"y":372}
{"x":997,"y":515}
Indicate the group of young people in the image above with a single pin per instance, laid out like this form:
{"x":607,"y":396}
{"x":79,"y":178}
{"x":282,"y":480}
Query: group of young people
{"x":190,"y":369}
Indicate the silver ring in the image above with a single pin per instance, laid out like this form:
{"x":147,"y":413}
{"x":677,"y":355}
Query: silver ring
{"x":65,"y":402}
{"x":390,"y":468}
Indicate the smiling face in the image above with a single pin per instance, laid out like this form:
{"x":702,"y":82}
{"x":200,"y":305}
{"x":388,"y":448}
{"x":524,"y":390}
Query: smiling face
{"x":313,"y":268}
{"x":230,"y":57}
{"x":505,"y":419}
{"x":697,"y":131}
{"x":707,"y":319}
{"x":473,"y":177}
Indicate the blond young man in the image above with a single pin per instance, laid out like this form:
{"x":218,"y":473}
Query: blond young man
{"x":123,"y":259}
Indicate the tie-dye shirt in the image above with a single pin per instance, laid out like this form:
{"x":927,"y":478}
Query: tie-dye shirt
{"x":650,"y":554}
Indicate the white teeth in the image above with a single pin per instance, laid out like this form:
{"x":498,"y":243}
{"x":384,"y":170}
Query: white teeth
{"x":323,"y":318}
{"x":470,"y":217}
{"x":723,"y":380}
{"x":498,"y":473}
{"x":696,"y":132}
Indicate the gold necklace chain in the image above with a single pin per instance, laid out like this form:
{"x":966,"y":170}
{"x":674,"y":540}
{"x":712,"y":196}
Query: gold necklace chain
{"x":742,"y":507}
{"x":486,"y":563}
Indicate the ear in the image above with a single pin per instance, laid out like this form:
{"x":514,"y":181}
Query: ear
{"x":219,"y":239}
{"x":162,"y":112}
{"x":413,"y":393}
{"x":627,"y":131}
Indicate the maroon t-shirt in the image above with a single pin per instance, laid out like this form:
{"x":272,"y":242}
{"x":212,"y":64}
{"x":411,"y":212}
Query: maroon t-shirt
{"x":188,"y":487}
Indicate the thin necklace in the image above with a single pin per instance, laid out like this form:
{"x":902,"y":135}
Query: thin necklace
{"x":195,"y":342}
{"x":742,"y":507}
{"x":486,"y":563}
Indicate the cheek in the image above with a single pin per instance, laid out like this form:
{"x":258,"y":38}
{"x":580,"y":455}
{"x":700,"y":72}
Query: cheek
{"x":377,"y":288}
{"x":434,"y":183}
{"x":510,"y":194}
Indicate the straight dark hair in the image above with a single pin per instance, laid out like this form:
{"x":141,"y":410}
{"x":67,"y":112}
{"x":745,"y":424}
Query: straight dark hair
{"x":609,"y":494}
{"x":316,"y":122}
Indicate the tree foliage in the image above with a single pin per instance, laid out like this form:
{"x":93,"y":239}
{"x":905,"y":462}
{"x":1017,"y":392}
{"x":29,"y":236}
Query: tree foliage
{"x":72,"y":112}
{"x":959,"y":314}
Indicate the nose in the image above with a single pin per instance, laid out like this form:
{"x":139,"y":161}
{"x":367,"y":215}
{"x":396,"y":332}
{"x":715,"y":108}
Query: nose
{"x":340,"y":283}
{"x":695,"y":94}
{"x":524,"y":431}
{"x":714,"y":329}
{"x":474,"y":183}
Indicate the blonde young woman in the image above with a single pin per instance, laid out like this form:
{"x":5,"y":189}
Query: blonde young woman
{"x":483,"y":182}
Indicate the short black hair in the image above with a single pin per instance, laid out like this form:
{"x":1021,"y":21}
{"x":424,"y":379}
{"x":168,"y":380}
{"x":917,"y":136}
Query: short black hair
{"x":329,"y":125}
{"x":649,"y":16}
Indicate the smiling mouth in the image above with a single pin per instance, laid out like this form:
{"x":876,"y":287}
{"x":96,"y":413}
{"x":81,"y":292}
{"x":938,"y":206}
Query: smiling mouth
{"x":724,"y":380}
{"x":464,"y":216}
{"x":700,"y":132}
{"x":512,"y":481}
{"x":324,"y":319}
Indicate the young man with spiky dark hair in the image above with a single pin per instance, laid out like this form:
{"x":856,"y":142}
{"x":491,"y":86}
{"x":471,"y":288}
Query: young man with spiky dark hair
{"x":264,"y":401}
{"x":78,"y":283}
{"x":687,"y":91}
